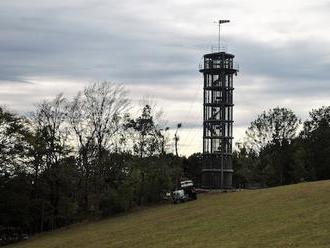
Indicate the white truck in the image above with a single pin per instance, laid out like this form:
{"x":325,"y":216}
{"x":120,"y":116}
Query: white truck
{"x":185,"y":192}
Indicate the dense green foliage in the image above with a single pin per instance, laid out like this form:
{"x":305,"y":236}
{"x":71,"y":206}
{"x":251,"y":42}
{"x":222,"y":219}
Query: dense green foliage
{"x":275,"y":153}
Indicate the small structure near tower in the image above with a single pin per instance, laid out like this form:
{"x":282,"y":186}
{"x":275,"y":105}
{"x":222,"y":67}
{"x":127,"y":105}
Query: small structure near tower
{"x":218,"y":69}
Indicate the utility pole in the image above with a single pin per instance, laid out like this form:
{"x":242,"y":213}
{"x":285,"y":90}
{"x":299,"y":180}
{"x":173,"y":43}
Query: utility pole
{"x":176,"y":139}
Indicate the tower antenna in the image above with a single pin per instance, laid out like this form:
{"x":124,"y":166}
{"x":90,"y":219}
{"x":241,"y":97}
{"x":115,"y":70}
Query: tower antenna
{"x":219,"y":23}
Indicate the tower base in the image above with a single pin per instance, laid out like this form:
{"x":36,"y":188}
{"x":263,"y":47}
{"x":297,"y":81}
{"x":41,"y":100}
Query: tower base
{"x":211,"y":179}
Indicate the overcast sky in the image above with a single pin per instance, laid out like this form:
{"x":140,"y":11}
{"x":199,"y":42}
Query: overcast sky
{"x":154,"y":48}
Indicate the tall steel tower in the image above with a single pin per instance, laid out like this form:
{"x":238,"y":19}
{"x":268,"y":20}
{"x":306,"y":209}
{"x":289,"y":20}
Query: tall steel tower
{"x":218,"y":69}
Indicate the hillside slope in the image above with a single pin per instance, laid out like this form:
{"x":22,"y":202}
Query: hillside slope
{"x":289,"y":216}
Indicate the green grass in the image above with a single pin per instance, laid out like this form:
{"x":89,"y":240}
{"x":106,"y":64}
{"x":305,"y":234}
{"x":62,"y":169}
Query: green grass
{"x":289,"y":216}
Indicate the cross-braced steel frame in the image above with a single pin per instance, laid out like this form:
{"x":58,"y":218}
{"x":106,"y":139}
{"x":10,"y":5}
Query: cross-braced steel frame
{"x":218,"y":70}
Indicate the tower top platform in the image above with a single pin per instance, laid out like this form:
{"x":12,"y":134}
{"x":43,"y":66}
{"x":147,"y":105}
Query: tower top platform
{"x":218,"y":54}
{"x":214,"y":63}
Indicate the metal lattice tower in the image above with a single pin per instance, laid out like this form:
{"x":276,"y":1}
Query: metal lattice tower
{"x":218,"y":70}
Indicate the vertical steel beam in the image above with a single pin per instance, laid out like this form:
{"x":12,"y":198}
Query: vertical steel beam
{"x":218,"y":74}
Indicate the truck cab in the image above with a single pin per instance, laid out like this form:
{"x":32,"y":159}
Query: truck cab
{"x":185,"y":192}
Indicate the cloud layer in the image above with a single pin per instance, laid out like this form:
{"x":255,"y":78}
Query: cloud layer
{"x":155,"y":47}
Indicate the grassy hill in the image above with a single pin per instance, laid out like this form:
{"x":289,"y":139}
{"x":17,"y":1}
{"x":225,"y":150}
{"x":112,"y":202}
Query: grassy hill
{"x":289,"y":216}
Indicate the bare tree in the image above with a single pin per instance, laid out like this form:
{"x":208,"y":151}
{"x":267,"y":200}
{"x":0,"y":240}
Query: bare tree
{"x":49,"y":124}
{"x":95,"y":116}
{"x":49,"y":145}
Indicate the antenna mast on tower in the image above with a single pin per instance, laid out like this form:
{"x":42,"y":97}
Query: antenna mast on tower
{"x":218,"y":70}
{"x":219,"y":23}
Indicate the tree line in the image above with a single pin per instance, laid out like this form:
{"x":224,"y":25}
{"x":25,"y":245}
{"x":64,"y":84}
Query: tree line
{"x":277,"y":149}
{"x":83,"y":157}
{"x":280,"y":149}
{"x":88,"y":157}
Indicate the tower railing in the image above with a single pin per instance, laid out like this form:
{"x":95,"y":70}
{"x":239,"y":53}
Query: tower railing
{"x":211,"y":65}
{"x":223,"y":48}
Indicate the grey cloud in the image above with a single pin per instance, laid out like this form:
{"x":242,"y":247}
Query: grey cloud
{"x":156,"y":45}
{"x":55,"y":43}
{"x":293,"y":60}
{"x":54,"y":46}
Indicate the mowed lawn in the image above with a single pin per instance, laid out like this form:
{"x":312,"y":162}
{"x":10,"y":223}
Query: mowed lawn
{"x":289,"y":216}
